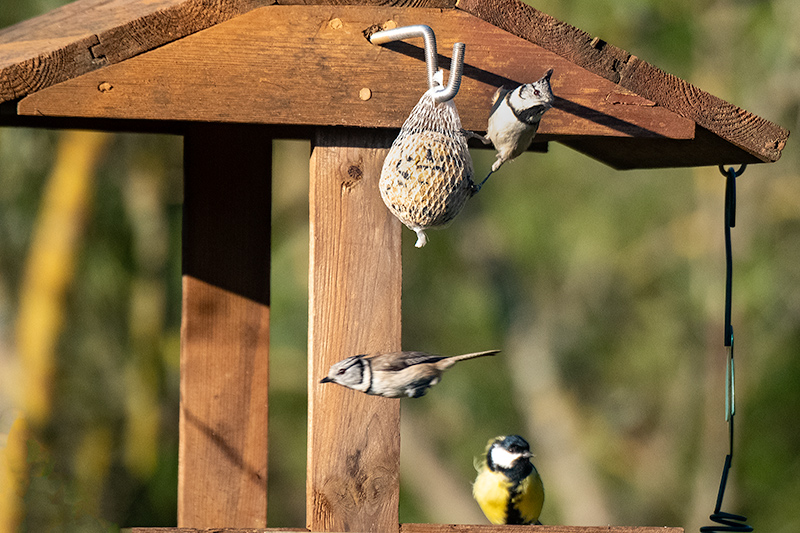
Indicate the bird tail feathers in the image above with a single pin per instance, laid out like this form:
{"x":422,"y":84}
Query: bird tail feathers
{"x":450,"y":361}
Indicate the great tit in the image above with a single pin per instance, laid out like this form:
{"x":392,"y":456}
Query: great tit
{"x":508,"y":487}
{"x":394,"y":374}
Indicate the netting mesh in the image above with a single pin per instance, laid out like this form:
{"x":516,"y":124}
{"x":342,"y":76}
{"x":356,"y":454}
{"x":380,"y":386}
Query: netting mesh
{"x":427,"y":175}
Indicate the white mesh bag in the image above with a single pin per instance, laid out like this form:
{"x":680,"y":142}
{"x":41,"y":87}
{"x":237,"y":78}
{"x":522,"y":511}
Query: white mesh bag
{"x":427,"y":176}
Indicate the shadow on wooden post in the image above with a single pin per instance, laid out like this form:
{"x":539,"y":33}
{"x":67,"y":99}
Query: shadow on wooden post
{"x":222,"y":476}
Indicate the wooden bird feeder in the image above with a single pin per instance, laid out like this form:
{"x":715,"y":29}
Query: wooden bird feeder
{"x":232,"y":75}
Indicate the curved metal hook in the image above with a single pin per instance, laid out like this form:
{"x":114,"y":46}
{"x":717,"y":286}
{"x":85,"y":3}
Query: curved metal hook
{"x":454,"y":81}
{"x":736,"y":173}
{"x":424,"y":31}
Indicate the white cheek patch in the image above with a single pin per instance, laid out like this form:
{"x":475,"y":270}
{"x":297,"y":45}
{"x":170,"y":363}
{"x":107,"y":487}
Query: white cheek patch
{"x":517,"y":101}
{"x":502,"y":457}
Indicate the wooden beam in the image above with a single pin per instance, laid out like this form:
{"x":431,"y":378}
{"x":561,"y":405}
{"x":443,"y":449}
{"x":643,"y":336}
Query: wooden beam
{"x":436,"y":4}
{"x":89,"y":34}
{"x":352,"y":480}
{"x":757,"y":136}
{"x":213,"y":530}
{"x":466,"y":528}
{"x":222,"y":472}
{"x":439,"y":528}
{"x":623,"y":154}
{"x":311,"y":65}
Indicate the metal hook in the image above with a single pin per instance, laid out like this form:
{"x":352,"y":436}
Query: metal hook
{"x":736,"y":173}
{"x":727,"y":522}
{"x":424,"y":31}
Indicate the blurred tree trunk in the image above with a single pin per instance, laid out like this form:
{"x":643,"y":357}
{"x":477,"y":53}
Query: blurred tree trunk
{"x":146,"y":209}
{"x":50,"y":266}
{"x":554,"y":424}
{"x":445,"y":500}
{"x":13,"y":476}
{"x":48,"y":274}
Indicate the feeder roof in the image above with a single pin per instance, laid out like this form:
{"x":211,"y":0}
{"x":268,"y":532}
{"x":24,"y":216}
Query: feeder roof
{"x":158,"y":63}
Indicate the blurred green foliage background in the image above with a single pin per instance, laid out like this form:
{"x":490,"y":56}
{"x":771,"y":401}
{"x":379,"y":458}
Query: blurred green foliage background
{"x":603,"y":288}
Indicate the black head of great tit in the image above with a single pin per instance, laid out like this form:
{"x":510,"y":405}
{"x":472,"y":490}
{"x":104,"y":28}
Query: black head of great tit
{"x":508,"y":487}
{"x":394,"y":374}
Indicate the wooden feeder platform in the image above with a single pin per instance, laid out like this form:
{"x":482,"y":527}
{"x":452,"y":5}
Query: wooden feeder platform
{"x":230,"y":76}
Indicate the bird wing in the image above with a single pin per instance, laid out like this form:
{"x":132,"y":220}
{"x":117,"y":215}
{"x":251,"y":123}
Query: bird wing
{"x":499,"y":96}
{"x":395,"y":361}
{"x":530,"y":498}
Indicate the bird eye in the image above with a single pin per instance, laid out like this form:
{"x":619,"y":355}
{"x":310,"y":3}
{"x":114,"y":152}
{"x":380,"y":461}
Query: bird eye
{"x":536,"y":92}
{"x":340,"y":372}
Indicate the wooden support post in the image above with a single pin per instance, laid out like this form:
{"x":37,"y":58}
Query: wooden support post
{"x":222,"y":476}
{"x":352,"y":479}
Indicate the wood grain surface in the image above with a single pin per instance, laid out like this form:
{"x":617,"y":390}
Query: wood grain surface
{"x":444,"y":528}
{"x":88,"y":34}
{"x":761,"y":138}
{"x":465,"y":528}
{"x":352,"y":478}
{"x":309,"y":65}
{"x":222,"y":471}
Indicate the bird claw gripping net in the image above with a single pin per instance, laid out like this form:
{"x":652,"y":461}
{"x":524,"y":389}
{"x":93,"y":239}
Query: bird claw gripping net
{"x":427,"y":176}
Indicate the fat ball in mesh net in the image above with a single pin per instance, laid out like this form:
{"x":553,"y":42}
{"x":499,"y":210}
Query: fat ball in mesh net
{"x":427,"y":176}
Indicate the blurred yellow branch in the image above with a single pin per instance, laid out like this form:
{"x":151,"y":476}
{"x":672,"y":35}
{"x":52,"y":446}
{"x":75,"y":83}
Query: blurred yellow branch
{"x":92,"y":461}
{"x":50,"y":264}
{"x":13,"y":476}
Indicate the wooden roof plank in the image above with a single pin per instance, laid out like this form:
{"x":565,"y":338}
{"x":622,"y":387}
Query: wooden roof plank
{"x":760,"y":137}
{"x":88,"y":34}
{"x":308,"y":65}
{"x":625,"y":154}
{"x":755,"y":135}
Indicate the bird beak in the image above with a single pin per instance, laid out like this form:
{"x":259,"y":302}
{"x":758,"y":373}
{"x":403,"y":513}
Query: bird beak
{"x":326,"y":379}
{"x":548,"y":74}
{"x":527,"y":455}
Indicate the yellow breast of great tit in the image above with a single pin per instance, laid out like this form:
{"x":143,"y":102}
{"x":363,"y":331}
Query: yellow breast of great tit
{"x":503,"y":503}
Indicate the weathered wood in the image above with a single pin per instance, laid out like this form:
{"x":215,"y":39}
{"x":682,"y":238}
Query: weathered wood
{"x":463,"y":528}
{"x":741,"y":128}
{"x":761,"y":138}
{"x":222,"y":475}
{"x":705,"y":149}
{"x":437,"y":4}
{"x":444,"y":528}
{"x":308,"y":65}
{"x":352,"y":479}
{"x":88,"y":34}
{"x":212,"y":530}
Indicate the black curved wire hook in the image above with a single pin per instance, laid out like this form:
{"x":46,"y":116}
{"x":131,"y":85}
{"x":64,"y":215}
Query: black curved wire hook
{"x":728,"y":522}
